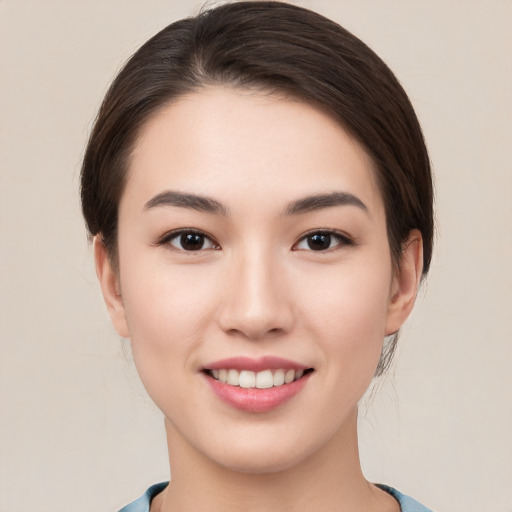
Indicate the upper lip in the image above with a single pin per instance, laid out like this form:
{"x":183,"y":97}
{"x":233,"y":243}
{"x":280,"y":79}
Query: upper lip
{"x":255,"y":364}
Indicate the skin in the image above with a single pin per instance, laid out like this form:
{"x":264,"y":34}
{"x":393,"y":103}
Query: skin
{"x":257,"y":289}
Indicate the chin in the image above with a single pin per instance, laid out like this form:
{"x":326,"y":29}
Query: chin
{"x":261,"y":463}
{"x":266,"y":455}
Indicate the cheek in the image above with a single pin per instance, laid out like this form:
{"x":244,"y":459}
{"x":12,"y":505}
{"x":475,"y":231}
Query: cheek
{"x":346,"y":310}
{"x":167,"y":312}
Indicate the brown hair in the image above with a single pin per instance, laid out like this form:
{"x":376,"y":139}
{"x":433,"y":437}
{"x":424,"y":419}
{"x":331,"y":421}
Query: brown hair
{"x":274,"y":47}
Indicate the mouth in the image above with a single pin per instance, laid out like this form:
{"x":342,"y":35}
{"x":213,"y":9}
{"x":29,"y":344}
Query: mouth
{"x":256,"y":385}
{"x":265,"y":379}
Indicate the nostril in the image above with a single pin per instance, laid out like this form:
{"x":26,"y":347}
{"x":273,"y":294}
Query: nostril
{"x":252,"y":331}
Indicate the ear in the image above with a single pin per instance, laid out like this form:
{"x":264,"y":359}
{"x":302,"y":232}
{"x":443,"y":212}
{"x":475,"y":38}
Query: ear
{"x":109,"y":282}
{"x":405,"y":283}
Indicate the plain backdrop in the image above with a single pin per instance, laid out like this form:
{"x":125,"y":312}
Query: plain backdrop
{"x":77,"y":432}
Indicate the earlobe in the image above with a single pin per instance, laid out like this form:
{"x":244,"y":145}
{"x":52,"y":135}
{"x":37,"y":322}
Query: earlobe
{"x":405,"y":282}
{"x":109,"y":283}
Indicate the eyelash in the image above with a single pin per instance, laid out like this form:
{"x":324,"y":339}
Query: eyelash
{"x":341,"y":239}
{"x":178,"y":233}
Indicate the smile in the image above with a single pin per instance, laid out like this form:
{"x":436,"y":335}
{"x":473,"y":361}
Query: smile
{"x":256,"y":385}
{"x":265,"y":379}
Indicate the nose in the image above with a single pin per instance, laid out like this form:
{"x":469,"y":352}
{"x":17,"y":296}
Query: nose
{"x":256,"y":299}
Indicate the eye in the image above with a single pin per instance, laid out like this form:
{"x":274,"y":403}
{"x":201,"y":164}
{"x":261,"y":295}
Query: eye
{"x":322,"y":241}
{"x":189,"y":240}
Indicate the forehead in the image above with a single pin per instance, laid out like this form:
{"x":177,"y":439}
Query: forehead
{"x":239,"y":145}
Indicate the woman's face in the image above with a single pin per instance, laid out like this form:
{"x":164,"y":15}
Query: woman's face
{"x":252,"y":245}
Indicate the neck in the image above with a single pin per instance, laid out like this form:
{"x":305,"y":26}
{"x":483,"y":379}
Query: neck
{"x":329,"y":480}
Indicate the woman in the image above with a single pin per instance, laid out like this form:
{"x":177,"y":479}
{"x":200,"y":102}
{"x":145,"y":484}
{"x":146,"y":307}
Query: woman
{"x":260,"y":198}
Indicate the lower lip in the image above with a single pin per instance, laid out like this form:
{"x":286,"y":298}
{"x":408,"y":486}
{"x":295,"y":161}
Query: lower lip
{"x":254,"y":399}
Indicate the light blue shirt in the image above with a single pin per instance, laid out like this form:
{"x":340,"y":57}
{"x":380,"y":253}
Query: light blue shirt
{"x":407,"y":504}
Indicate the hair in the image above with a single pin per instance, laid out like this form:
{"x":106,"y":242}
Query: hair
{"x":277,"y":48}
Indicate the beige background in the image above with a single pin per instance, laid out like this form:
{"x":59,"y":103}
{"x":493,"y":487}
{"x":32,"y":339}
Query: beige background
{"x":77,"y":432}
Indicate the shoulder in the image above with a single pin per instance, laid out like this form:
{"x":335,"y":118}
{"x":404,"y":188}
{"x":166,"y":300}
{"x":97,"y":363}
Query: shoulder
{"x":144,"y":502}
{"x":407,"y":504}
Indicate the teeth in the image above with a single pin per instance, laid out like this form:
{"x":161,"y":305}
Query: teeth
{"x":264,"y":380}
{"x":261,"y":380}
{"x":278,"y":377}
{"x":233,"y":377}
{"x":247,"y":379}
{"x":289,"y":376}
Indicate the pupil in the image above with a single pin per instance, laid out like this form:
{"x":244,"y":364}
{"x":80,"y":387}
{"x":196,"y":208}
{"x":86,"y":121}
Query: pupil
{"x":192,"y":241}
{"x":319,"y":242}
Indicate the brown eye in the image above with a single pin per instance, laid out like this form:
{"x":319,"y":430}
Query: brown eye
{"x":322,"y":241}
{"x":319,"y":241}
{"x":190,"y":241}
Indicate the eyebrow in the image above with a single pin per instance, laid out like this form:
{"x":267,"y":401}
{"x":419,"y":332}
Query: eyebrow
{"x":321,"y":201}
{"x":209,"y":205}
{"x":183,"y":200}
